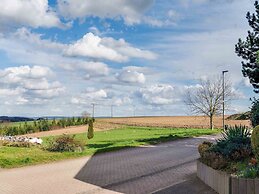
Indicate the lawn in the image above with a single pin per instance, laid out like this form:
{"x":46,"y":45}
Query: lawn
{"x":103,"y":141}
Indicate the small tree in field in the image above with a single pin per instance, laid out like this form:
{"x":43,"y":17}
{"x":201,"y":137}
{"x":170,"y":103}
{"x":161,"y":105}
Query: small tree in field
{"x":208,"y":97}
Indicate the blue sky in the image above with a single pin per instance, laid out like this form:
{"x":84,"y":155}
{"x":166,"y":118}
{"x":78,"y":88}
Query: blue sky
{"x":59,"y":57}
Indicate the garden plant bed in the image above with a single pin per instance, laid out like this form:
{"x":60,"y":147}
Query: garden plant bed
{"x":224,"y":183}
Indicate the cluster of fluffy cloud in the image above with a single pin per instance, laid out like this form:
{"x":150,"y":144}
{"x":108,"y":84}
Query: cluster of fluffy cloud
{"x":130,"y":11}
{"x":158,"y":94}
{"x":29,"y":85}
{"x":101,"y":97}
{"x":38,"y":13}
{"x":24,"y":46}
{"x":129,"y":76}
{"x":33,"y":13}
{"x":106,"y":48}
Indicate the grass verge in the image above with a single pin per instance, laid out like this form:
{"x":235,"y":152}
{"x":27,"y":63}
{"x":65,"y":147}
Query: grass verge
{"x":103,"y":141}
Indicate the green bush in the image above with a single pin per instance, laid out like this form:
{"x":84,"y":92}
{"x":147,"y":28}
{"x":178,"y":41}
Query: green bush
{"x":255,"y":142}
{"x":40,"y":125}
{"x":235,"y":143}
{"x":214,"y":160}
{"x":204,"y":147}
{"x":255,"y":113}
{"x":249,"y":172}
{"x":65,"y":143}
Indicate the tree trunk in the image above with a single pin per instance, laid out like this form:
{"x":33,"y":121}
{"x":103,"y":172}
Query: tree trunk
{"x":211,"y":122}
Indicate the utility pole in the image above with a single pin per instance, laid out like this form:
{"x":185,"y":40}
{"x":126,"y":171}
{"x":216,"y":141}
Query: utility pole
{"x":93,"y":104}
{"x":134,"y":111}
{"x":111,"y":111}
{"x":223,"y":97}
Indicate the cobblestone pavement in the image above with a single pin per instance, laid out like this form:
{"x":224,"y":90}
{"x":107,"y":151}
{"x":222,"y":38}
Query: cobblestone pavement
{"x":164,"y":168}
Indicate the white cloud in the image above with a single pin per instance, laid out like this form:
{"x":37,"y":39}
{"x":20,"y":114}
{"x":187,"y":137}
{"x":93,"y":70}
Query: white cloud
{"x":125,"y":49}
{"x":95,"y":30}
{"x":90,"y":95}
{"x":131,"y":11}
{"x":121,"y":101}
{"x":10,"y":92}
{"x":95,"y":94}
{"x":159,"y":94}
{"x":192,"y":87}
{"x":33,"y":13}
{"x":29,"y":84}
{"x":107,"y":48}
{"x":35,"y":40}
{"x":18,"y":74}
{"x":91,"y":46}
{"x":87,"y":69}
{"x":129,"y":76}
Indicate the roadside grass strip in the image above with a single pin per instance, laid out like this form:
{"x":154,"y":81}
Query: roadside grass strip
{"x":103,"y":141}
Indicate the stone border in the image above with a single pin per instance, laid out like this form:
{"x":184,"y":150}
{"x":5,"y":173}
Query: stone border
{"x":223,"y":183}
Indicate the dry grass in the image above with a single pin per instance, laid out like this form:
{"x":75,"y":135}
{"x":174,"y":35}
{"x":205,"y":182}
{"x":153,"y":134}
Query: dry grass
{"x":174,"y":121}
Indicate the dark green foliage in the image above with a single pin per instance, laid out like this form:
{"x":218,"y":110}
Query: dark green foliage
{"x":248,"y":50}
{"x":234,"y":146}
{"x":235,"y":143}
{"x":40,"y":125}
{"x":255,"y":142}
{"x":90,"y":133}
{"x":255,"y":113}
{"x":65,"y":143}
{"x":249,"y":172}
{"x":230,"y":133}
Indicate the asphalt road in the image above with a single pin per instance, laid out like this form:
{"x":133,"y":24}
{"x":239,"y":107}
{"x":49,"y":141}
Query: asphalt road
{"x":164,"y":168}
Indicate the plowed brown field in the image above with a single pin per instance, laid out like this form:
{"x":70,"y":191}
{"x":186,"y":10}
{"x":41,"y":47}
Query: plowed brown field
{"x":102,"y":124}
{"x":174,"y":121}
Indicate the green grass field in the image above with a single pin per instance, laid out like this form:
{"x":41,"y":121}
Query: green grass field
{"x":103,"y":141}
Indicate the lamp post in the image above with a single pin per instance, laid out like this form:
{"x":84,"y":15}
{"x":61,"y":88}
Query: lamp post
{"x":93,"y":104}
{"x":223,"y":97}
{"x":111,"y":111}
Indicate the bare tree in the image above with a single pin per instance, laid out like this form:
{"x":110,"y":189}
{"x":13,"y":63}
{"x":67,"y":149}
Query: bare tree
{"x":85,"y":114}
{"x":207,"y":98}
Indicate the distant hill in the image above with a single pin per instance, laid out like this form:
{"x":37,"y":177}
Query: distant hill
{"x":240,"y":116}
{"x":14,"y":119}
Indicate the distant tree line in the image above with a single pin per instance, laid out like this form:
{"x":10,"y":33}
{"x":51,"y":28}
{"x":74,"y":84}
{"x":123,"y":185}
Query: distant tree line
{"x":41,"y":125}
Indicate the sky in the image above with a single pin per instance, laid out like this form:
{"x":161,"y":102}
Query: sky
{"x":57,"y":57}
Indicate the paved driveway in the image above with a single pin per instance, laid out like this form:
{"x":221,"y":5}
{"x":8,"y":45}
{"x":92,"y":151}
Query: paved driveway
{"x":164,"y":168}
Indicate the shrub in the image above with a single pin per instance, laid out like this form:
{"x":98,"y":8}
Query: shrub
{"x":214,"y":160}
{"x":65,"y":143}
{"x":255,"y":141}
{"x":15,"y":144}
{"x":255,"y":113}
{"x":249,"y":172}
{"x":235,"y":143}
{"x":204,"y":147}
{"x":211,"y":158}
{"x":230,"y":133}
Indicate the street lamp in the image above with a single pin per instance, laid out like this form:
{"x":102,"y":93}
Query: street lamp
{"x":223,"y":97}
{"x":112,"y":111}
{"x":93,"y":104}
